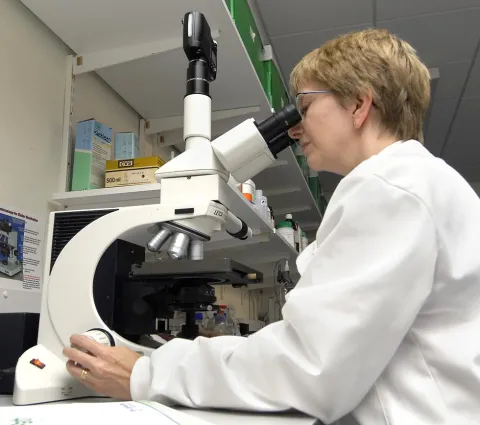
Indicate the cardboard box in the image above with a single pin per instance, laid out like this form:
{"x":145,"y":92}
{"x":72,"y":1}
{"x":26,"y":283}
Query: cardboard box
{"x":126,"y":146}
{"x":93,"y":144}
{"x":133,"y":171}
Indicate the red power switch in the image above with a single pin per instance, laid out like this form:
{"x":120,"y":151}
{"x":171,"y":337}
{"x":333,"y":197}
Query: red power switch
{"x":37,"y":363}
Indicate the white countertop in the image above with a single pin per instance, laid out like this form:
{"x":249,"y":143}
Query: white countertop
{"x":226,"y":418}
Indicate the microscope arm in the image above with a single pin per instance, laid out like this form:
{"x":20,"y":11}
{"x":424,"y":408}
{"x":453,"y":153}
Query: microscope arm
{"x":68,"y":305}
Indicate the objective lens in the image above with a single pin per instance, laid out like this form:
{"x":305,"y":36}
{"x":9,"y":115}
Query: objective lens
{"x":279,"y":122}
{"x":179,"y":246}
{"x":158,"y":240}
{"x":196,"y":250}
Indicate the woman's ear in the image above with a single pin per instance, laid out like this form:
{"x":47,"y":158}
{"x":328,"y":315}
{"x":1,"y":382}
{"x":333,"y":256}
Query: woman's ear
{"x":363,"y":104}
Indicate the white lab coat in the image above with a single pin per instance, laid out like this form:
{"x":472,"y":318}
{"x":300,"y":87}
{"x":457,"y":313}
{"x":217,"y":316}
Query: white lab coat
{"x":383,"y":324}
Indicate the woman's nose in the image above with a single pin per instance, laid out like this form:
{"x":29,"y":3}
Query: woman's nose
{"x":296,"y":131}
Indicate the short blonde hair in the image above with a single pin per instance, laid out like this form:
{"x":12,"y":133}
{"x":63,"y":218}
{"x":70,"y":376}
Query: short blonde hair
{"x":375,"y":61}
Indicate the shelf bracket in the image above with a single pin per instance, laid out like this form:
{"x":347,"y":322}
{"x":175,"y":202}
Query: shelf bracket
{"x":98,"y":60}
{"x":160,"y":125}
{"x":67,"y":142}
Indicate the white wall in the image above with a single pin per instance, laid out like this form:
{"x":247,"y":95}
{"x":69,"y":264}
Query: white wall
{"x":32,"y":88}
{"x":32,"y":82}
{"x":93,"y":98}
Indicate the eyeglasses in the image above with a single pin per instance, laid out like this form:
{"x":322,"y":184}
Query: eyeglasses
{"x":303,"y":110}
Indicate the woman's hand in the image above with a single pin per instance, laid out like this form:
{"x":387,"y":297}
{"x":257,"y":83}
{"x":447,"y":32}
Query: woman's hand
{"x":106,"y":370}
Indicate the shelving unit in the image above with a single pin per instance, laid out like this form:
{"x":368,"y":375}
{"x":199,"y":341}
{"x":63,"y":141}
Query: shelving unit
{"x":137,"y":49}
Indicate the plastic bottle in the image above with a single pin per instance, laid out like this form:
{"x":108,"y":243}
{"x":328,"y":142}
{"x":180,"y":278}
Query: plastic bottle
{"x":304,"y":241}
{"x":248,"y":190}
{"x":232,"y":322}
{"x":272,"y":217}
{"x":223,"y":323}
{"x":285,"y":229}
{"x":297,"y":232}
{"x":199,"y":318}
{"x":261,"y":204}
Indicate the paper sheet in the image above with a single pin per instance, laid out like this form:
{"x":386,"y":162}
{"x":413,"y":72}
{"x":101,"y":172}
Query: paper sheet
{"x":117,"y":413}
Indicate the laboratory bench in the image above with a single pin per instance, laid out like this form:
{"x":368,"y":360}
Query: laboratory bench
{"x":220,"y":417}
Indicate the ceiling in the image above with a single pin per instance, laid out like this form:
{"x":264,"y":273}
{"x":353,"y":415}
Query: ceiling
{"x":446,"y":35}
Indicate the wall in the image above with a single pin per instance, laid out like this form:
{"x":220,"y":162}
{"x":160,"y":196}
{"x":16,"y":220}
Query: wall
{"x":93,"y":98}
{"x":32,"y":82}
{"x":32,"y":89}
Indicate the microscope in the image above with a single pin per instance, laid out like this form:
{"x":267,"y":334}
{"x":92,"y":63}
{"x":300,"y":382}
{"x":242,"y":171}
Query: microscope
{"x":10,"y":263}
{"x":96,"y":280}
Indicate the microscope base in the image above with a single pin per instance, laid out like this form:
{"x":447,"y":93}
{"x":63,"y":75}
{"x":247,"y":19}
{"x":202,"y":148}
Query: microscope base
{"x":42,"y":377}
{"x":10,"y":269}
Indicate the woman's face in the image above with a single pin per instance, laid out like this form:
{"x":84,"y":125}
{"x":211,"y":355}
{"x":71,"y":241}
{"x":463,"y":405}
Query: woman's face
{"x":326,"y":131}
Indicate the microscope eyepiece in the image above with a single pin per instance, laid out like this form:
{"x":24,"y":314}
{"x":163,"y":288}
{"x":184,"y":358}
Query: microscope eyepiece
{"x":279,"y":122}
{"x":280,"y":143}
{"x":249,"y":148}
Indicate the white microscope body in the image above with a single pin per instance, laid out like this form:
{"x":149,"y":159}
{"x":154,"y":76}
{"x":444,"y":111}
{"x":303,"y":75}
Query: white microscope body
{"x":191,"y":207}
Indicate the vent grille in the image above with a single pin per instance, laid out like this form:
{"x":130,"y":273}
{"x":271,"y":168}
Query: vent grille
{"x":67,"y":225}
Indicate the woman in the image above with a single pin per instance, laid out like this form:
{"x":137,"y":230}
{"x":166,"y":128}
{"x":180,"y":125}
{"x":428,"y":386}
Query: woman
{"x":384,"y":323}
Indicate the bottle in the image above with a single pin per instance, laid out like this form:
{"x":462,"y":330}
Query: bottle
{"x":248,"y":190}
{"x":222,"y":323}
{"x":232,"y":321}
{"x":297,"y":232}
{"x":304,"y":241}
{"x":261,"y":205}
{"x":272,"y":217}
{"x":285,"y":229}
{"x":199,"y":318}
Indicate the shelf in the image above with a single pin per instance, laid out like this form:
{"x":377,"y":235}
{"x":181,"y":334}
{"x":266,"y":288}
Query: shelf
{"x":288,"y":191}
{"x":150,"y":194}
{"x":108,"y":197}
{"x":141,"y":55}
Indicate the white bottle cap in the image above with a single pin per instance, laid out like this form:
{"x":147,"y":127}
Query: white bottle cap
{"x":259,"y":193}
{"x":288,"y":216}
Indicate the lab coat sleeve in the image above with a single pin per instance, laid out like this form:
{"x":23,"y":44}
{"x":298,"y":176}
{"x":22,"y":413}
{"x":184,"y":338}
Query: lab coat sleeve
{"x":356,"y":300}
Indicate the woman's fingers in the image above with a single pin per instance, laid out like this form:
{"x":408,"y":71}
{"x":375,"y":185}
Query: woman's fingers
{"x":88,"y":344}
{"x":87,"y":379}
{"x":85,"y":360}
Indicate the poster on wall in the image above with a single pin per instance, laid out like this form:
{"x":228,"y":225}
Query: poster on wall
{"x":21,"y":250}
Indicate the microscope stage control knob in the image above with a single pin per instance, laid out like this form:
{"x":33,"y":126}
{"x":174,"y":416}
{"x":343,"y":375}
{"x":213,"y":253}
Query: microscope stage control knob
{"x":101,"y":336}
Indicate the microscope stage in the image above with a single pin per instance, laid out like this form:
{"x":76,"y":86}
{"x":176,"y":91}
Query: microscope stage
{"x":216,"y":271}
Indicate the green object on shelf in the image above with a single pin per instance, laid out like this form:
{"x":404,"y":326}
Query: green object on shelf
{"x":229,"y":4}
{"x":275,"y":89}
{"x":248,"y":30}
{"x":284,"y":224}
